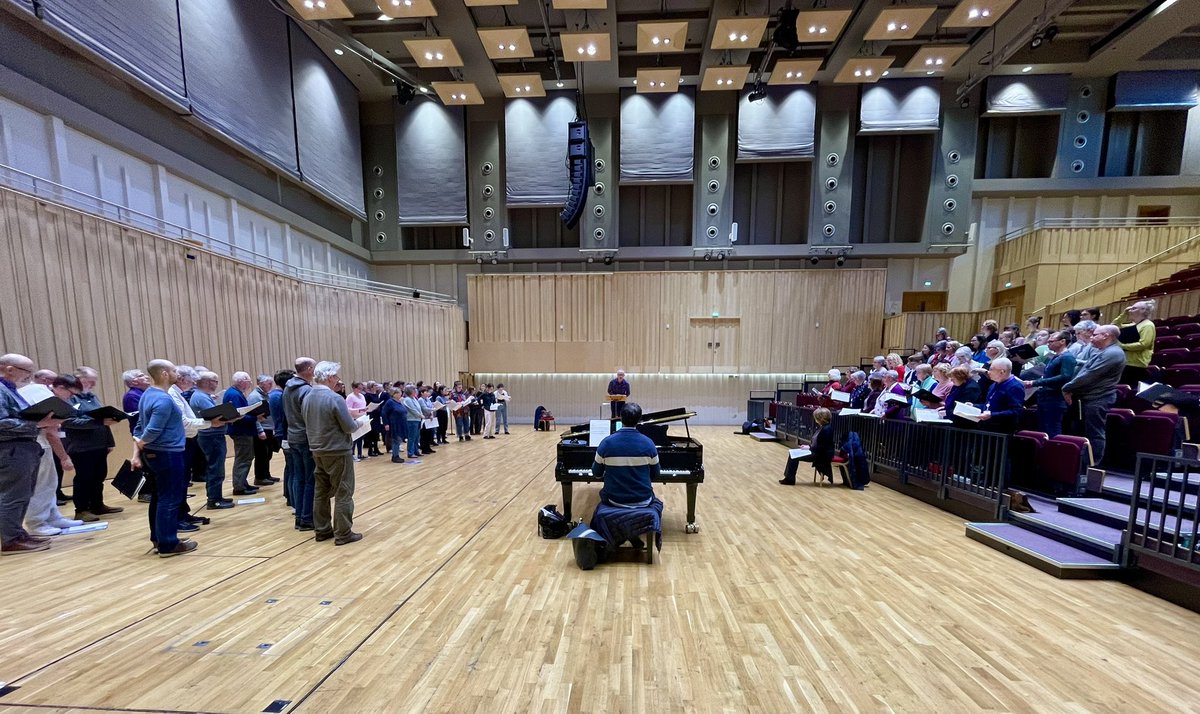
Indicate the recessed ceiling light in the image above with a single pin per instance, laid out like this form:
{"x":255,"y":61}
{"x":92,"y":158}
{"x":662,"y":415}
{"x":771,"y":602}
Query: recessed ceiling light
{"x":743,"y":38}
{"x":439,"y":56}
{"x":929,"y":72}
{"x":527,"y":89}
{"x":512,"y":47}
{"x":812,"y":29}
{"x":858,"y":73}
{"x":591,"y":49}
{"x":791,"y":74}
{"x":886,"y":72}
{"x":581,"y":50}
{"x":396,"y":2}
{"x":733,"y":37}
{"x":308,"y":4}
{"x":384,"y":18}
{"x":1027,"y":68}
{"x":635,"y":81}
{"x":558,"y":84}
{"x":903,"y":26}
{"x":428,"y":55}
{"x":338,"y":51}
{"x":425,"y":90}
{"x":666,"y":40}
{"x":321,"y":4}
{"x":407,"y":3}
{"x":655,"y":39}
{"x":867,"y":72}
{"x":891,"y":27}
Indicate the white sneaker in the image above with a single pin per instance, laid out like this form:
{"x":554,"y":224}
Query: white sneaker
{"x":64,"y":522}
{"x":45,"y":530}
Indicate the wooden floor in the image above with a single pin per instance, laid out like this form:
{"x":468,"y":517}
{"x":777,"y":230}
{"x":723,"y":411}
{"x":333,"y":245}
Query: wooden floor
{"x":789,"y":599}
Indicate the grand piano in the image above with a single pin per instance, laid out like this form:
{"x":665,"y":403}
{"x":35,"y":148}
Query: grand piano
{"x":681,"y":458}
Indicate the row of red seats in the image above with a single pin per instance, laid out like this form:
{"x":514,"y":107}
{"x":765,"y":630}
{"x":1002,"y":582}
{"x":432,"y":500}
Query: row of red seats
{"x":1051,"y":465}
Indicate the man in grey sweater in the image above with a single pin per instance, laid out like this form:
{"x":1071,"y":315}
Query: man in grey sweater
{"x":329,"y":425}
{"x":1094,"y":387}
{"x":304,"y":473}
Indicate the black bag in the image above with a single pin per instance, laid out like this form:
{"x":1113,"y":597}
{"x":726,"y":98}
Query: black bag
{"x":551,"y":523}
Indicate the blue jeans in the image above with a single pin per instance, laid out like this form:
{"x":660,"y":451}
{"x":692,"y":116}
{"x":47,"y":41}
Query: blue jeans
{"x":1050,"y":411}
{"x":462,"y":425}
{"x":170,"y":487}
{"x":414,"y":438}
{"x":289,"y":468}
{"x":304,"y":469}
{"x":502,"y":416}
{"x":213,"y":447}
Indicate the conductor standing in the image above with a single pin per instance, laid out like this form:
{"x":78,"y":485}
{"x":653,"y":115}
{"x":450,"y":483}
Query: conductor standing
{"x":618,"y":393}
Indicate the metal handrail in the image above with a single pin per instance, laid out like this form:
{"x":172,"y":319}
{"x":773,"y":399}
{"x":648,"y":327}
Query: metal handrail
{"x":1157,"y":255}
{"x":1099,"y":222}
{"x":64,"y":196}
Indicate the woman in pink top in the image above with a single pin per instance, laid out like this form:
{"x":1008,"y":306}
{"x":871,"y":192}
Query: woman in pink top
{"x":357,"y":404}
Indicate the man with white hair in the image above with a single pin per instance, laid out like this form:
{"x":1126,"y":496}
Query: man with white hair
{"x":617,"y":387}
{"x":263,"y":447}
{"x":89,"y":442}
{"x":136,"y":381}
{"x":243,"y":432}
{"x":20,"y":456}
{"x":329,"y":425}
{"x":1094,"y":388}
{"x":1005,"y":398}
{"x":158,"y":447}
{"x":186,"y":379}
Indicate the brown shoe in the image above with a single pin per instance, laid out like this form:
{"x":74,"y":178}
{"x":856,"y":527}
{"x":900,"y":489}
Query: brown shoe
{"x":86,"y":516}
{"x":352,"y":538}
{"x":104,"y":510}
{"x":183,"y":546}
{"x":30,"y":538}
{"x":23,"y":545}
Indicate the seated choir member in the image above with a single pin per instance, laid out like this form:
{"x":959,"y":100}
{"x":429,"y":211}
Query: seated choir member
{"x":822,"y":448}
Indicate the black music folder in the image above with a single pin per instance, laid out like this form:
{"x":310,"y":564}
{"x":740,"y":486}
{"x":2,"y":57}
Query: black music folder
{"x":1025,"y":351}
{"x":129,"y":481}
{"x":107,"y":413}
{"x":924,"y":395}
{"x":225,"y":411}
{"x":260,"y":409}
{"x":48,"y":406}
{"x":1129,"y":335}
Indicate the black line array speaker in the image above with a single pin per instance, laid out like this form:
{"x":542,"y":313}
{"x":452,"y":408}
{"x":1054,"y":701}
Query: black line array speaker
{"x":579,"y":160}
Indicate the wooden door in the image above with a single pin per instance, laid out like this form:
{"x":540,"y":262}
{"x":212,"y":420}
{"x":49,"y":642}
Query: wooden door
{"x":1011,"y":297}
{"x":1160,"y":212}
{"x":727,"y":345}
{"x":700,"y":345}
{"x":923,"y":301}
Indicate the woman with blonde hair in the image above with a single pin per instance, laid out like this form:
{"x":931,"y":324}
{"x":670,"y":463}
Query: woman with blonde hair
{"x":894,"y":362}
{"x":822,"y":448}
{"x":1139,"y":353}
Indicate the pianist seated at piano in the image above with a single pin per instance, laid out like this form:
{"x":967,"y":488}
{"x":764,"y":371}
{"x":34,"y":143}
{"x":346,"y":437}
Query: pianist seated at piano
{"x":627,"y":460}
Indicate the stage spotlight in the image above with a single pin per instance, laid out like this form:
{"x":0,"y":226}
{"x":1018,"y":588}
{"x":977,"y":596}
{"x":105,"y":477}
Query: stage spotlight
{"x":494,"y":261}
{"x":814,"y":260}
{"x":759,"y":93}
{"x":405,"y":93}
{"x":722,"y":256}
{"x":707,"y":256}
{"x":416,"y":294}
{"x":965,"y":102}
{"x":841,"y":260}
{"x":785,"y":31}
{"x":479,"y":260}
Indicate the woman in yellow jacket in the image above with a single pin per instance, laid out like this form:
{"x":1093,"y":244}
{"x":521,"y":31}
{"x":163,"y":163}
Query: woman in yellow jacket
{"x":1138,"y":354}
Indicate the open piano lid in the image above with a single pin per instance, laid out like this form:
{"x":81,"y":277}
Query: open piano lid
{"x":665,"y":416}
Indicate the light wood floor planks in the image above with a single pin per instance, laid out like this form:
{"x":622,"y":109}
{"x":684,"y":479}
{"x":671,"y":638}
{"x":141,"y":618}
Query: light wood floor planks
{"x":789,"y":599}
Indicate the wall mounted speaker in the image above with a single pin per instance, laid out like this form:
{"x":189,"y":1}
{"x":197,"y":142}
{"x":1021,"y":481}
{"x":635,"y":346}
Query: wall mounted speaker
{"x":599,"y":166}
{"x":1083,"y":116}
{"x":489,"y":235}
{"x":380,"y":215}
{"x":952,"y":180}
{"x":598,"y":211}
{"x":377,"y":170}
{"x":714,"y":186}
{"x":712,"y":232}
{"x":949,"y":204}
{"x":598,"y":234}
{"x":714,"y":162}
{"x":1085,"y":91}
{"x":832,"y":159}
{"x":1080,"y":141}
{"x":1077,"y":166}
{"x":489,"y":212}
{"x":713,"y":209}
{"x":830,"y":206}
{"x":831,"y":184}
{"x":488,"y":190}
{"x":829,"y":230}
{"x":487,"y":168}
{"x":953,"y":157}
{"x":598,"y":188}
{"x":377,"y":193}
{"x":948,"y":228}
{"x":381,"y":238}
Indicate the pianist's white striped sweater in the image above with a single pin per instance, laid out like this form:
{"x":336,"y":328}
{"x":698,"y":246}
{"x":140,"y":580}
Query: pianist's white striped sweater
{"x":626,"y":461}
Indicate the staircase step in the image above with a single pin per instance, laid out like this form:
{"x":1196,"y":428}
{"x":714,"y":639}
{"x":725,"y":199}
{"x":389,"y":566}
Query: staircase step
{"x":1045,"y":554}
{"x":1096,"y":538}
{"x":1114,"y":514}
{"x":763,"y":436}
{"x":1121,"y":488}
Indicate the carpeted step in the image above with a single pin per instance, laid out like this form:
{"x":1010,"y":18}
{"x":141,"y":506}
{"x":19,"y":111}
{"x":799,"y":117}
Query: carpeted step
{"x":1096,"y":538}
{"x":1121,"y":488}
{"x":1045,"y":554}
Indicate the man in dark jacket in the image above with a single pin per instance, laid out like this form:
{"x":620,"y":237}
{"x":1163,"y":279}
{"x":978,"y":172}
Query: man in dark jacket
{"x":305,"y":468}
{"x":88,"y":443}
{"x":1005,"y":400}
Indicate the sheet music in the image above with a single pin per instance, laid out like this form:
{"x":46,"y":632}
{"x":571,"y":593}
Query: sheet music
{"x":430,"y":423}
{"x":842,"y":397}
{"x":969,"y":412}
{"x":364,"y":427}
{"x":929,"y":415}
{"x":799,"y":453}
{"x":597,"y":430}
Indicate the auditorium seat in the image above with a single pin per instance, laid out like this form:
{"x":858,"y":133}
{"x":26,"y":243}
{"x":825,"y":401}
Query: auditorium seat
{"x":1125,"y":398}
{"x":1023,"y":450}
{"x":1172,"y":355}
{"x":1192,"y":341}
{"x":1187,"y":328}
{"x":1028,"y":421}
{"x":1059,"y":466}
{"x":1180,"y":375}
{"x":1087,"y":456}
{"x":1167,"y":342}
{"x":1116,"y":435}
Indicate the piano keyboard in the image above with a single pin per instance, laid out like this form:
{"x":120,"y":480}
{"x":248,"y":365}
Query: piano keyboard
{"x":664,"y":472}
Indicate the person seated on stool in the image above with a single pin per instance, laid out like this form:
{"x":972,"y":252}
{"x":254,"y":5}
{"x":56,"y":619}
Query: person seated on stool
{"x":627,"y":461}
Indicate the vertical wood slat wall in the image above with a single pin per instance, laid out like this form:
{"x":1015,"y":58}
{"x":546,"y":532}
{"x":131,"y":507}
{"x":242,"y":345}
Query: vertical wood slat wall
{"x":786,"y":321}
{"x":908,"y":331}
{"x":76,"y":289}
{"x":1055,"y":262}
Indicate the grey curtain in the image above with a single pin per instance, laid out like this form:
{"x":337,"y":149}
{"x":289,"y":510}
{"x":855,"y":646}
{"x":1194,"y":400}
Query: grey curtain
{"x":327,"y":131}
{"x":139,"y":36}
{"x":900,"y":105}
{"x":535,"y":150}
{"x":658,"y":136}
{"x":781,"y":126}
{"x":431,"y":164}
{"x":1027,"y":94}
{"x":236,"y":54}
{"x":1169,"y":89}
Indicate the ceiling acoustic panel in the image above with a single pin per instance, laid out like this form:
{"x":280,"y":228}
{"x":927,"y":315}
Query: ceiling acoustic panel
{"x":661,"y":37}
{"x":434,"y":52}
{"x":863,"y":70}
{"x":977,"y":13}
{"x":651,"y":80}
{"x":899,"y":22}
{"x":739,"y":33}
{"x":517,"y":86}
{"x":724,"y":78}
{"x":816,"y":26}
{"x":403,"y":9}
{"x":932,"y":59}
{"x":586,"y":46}
{"x":458,"y":93}
{"x":320,"y":9}
{"x":505,"y":42}
{"x":794,"y":71}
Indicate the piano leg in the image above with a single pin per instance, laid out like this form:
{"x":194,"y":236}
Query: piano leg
{"x":691,"y":509}
{"x":567,"y":489}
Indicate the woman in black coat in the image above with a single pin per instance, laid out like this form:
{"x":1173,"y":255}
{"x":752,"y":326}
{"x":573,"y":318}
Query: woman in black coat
{"x":822,"y":447}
